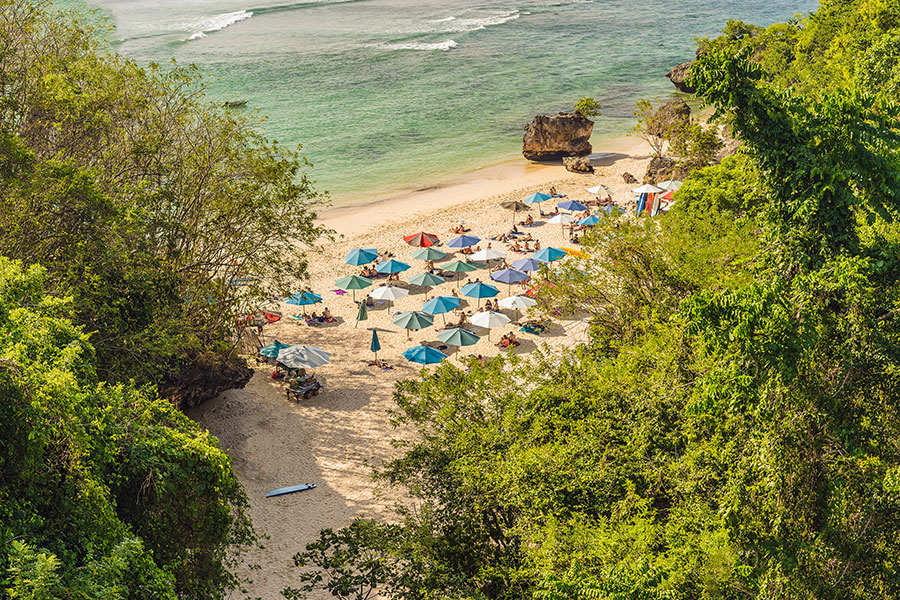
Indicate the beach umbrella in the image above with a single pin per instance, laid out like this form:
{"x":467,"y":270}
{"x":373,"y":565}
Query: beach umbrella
{"x":458,"y":266}
{"x":426,"y":280}
{"x":391,"y":266}
{"x":590,"y":221}
{"x":646,"y":189}
{"x":597,"y":189}
{"x":562,"y":218}
{"x":273,"y":349}
{"x":361,"y":256}
{"x":612,"y":208}
{"x":669,"y":185}
{"x":421,"y":239}
{"x":526,"y":265}
{"x":353,"y":282}
{"x":572,"y":205}
{"x":303,"y":299}
{"x":489,"y":320}
{"x":458,"y":337}
{"x":463,"y":241}
{"x":424,"y":355}
{"x":375,"y":346}
{"x":362,"y":314}
{"x":537,"y":197}
{"x":517,"y":303}
{"x":428,"y":254}
{"x":515,"y":206}
{"x":488,"y":254}
{"x":546,"y":255}
{"x":413,"y":320}
{"x":389,"y":293}
{"x":509,"y":276}
{"x":440,"y":305}
{"x":479,"y":290}
{"x":303,"y":357}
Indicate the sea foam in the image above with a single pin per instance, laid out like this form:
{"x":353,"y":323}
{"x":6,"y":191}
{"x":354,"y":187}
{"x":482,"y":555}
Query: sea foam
{"x":203,"y":26}
{"x":466,"y":25}
{"x":444,"y":46}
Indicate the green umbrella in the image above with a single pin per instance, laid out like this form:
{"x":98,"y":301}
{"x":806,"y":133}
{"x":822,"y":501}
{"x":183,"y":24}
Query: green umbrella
{"x":413,"y":320}
{"x":353,"y":282}
{"x":426,"y":280}
{"x":458,"y":266}
{"x":458,"y":337}
{"x":429,"y":253}
{"x":363,"y":314}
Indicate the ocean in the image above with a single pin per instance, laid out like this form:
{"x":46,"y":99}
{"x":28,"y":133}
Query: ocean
{"x":389,"y":95}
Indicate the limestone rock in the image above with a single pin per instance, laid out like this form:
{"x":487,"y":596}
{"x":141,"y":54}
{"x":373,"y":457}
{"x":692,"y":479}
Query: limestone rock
{"x":673,"y":112}
{"x":629,"y":178}
{"x":678,"y":74}
{"x":550,"y":137}
{"x":661,"y":168}
{"x":203,"y":377}
{"x":578,"y":164}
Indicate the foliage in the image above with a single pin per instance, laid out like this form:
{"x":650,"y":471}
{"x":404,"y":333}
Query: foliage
{"x":587,"y":107}
{"x":694,"y":146}
{"x":163,"y":216}
{"x":648,"y":126}
{"x":105,"y":491}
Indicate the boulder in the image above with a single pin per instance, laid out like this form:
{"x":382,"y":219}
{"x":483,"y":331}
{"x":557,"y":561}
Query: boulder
{"x":203,"y":377}
{"x":661,"y":168}
{"x":673,"y":112}
{"x":629,"y":178}
{"x":555,"y":136}
{"x":678,"y":74}
{"x":578,"y":164}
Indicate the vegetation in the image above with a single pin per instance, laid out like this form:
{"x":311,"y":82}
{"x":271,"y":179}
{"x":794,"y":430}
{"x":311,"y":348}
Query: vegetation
{"x":587,"y":107}
{"x":730,"y":430}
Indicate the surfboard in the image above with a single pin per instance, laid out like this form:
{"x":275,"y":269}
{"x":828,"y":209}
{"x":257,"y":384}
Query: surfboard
{"x":291,"y":489}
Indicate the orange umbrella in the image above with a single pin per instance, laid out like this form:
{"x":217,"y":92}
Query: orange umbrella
{"x":421,"y":239}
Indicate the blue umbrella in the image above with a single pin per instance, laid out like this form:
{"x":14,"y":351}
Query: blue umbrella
{"x":538,"y":197}
{"x":611,"y":208}
{"x":376,"y":345}
{"x":589,"y":220}
{"x":273,"y":349}
{"x":424,"y":355}
{"x":572,"y":205}
{"x":546,"y":255}
{"x":361,"y":256}
{"x":391,"y":266}
{"x":480,"y":290}
{"x":463,"y":241}
{"x":527,"y":265}
{"x":509,"y":276}
{"x":304,"y":298}
{"x":440,"y":305}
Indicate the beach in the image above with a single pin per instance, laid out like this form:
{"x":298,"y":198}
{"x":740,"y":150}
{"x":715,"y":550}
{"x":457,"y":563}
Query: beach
{"x":335,"y":438}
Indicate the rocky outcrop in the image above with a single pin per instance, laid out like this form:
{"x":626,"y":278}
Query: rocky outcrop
{"x":203,"y":378}
{"x":578,"y":164}
{"x":674,"y":112}
{"x":662,"y":168}
{"x":555,"y":136}
{"x":629,"y":178}
{"x":678,"y":75}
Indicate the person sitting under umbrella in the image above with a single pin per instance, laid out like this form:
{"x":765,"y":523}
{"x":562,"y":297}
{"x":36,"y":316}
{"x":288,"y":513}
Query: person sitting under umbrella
{"x":462,"y":319}
{"x":327,"y":317}
{"x":508,"y":340}
{"x":528,"y":222}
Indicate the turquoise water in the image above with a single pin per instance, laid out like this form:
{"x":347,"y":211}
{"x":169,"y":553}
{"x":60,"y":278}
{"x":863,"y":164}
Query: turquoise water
{"x":393,"y":94}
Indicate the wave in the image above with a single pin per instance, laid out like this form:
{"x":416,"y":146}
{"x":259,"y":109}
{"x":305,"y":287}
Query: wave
{"x":445,"y":46}
{"x":466,"y":25}
{"x":444,"y":20}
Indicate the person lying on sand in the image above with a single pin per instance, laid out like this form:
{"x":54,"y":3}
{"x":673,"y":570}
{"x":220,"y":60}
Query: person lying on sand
{"x":381,"y":364}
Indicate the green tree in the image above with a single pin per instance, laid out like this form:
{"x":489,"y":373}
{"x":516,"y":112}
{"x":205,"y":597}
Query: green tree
{"x":587,"y":107}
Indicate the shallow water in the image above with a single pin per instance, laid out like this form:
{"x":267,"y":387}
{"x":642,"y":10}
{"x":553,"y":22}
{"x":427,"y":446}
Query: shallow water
{"x":391,"y":94}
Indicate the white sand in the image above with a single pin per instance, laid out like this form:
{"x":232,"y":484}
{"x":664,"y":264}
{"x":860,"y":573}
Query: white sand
{"x":332,"y":439}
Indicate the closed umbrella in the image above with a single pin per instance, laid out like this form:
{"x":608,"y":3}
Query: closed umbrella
{"x":526,"y":265}
{"x":424,"y":355}
{"x":426,"y":280}
{"x":304,"y":299}
{"x":362,"y":314}
{"x":537,"y":198}
{"x":389,"y":293}
{"x":488,"y":254}
{"x":518,"y":303}
{"x":303,"y":357}
{"x":361,"y":256}
{"x":375,"y":346}
{"x":421,"y":239}
{"x":458,"y":337}
{"x":353,"y":282}
{"x":489,"y":320}
{"x":479,"y":290}
{"x":429,"y":253}
{"x":509,"y":276}
{"x":463,"y":241}
{"x":413,"y":320}
{"x":458,"y":266}
{"x":441,"y":305}
{"x":391,"y":266}
{"x":273,"y":349}
{"x":546,"y":255}
{"x":573,"y":205}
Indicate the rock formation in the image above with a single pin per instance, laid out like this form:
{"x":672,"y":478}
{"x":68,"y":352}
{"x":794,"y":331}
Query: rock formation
{"x":673,"y":112}
{"x":678,"y":74}
{"x":578,"y":164}
{"x":206,"y":377}
{"x":555,"y":136}
{"x":662,"y":168}
{"x":629,"y":178}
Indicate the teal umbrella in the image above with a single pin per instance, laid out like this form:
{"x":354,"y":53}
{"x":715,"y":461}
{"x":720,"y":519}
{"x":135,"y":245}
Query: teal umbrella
{"x":426,"y":280}
{"x":376,"y":345}
{"x":458,"y":266}
{"x":458,"y":337}
{"x":413,"y":320}
{"x":361,"y":256}
{"x":391,"y":266}
{"x":440,"y":305}
{"x":363,"y":314}
{"x":536,"y":198}
{"x":424,"y":355}
{"x":353,"y":282}
{"x":272,"y":349}
{"x":429,"y":253}
{"x":479,"y":290}
{"x":303,"y":299}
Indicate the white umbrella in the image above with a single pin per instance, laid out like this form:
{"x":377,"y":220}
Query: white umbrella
{"x":670,"y":185}
{"x":518,"y":302}
{"x":646,"y":189}
{"x":303,"y":357}
{"x":488,"y":319}
{"x":597,"y":188}
{"x":562,"y":218}
{"x":488,"y":254}
{"x":389,"y":292}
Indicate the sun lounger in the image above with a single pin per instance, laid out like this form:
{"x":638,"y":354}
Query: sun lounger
{"x":305,"y":392}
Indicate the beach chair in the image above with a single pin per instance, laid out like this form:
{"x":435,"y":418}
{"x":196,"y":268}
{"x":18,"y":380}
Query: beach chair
{"x":305,"y":392}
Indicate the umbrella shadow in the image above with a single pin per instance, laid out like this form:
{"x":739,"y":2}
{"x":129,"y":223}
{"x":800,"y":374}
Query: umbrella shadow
{"x":606,"y":159}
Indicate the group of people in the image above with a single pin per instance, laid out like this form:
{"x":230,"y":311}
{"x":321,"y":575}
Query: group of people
{"x":314,"y":319}
{"x":508,"y":340}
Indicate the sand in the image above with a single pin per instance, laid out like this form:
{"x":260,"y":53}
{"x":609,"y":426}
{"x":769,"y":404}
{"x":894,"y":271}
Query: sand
{"x":335,"y":438}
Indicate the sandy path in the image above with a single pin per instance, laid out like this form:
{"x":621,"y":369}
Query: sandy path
{"x":333,"y":439}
